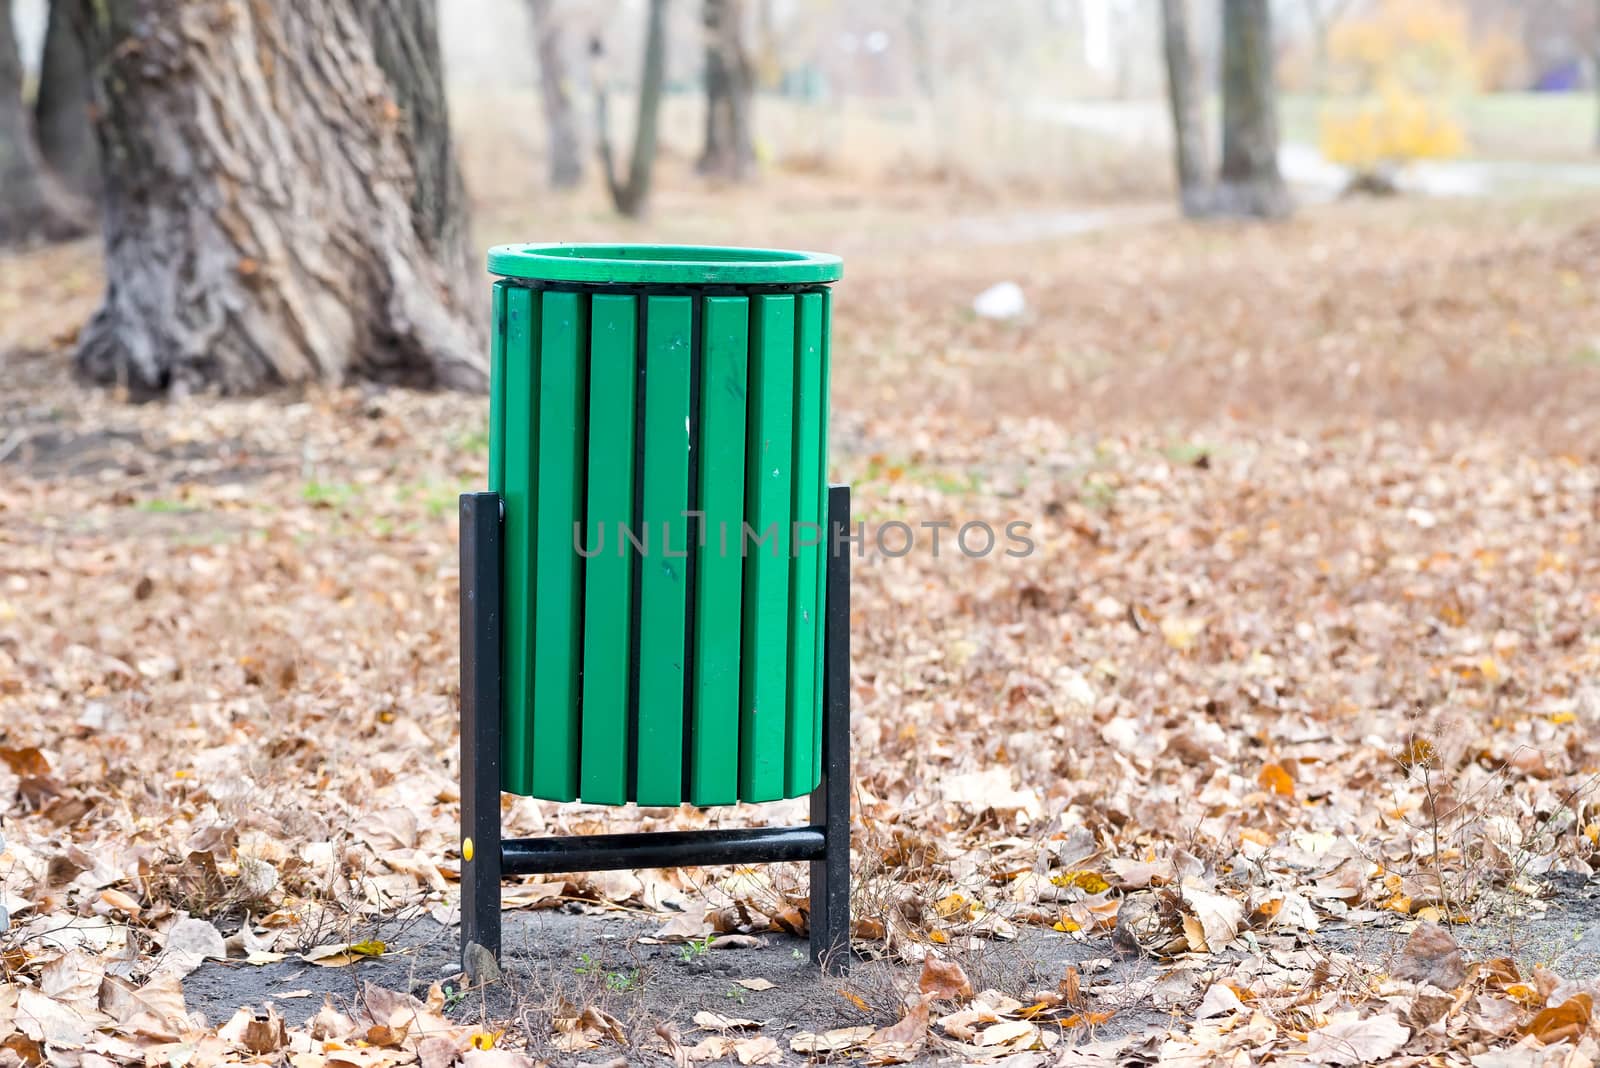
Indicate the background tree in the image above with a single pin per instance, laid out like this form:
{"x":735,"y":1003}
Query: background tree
{"x":729,"y":151}
{"x":1186,"y":100}
{"x":32,"y":203}
{"x":1250,"y":183}
{"x":632,"y":195}
{"x":1321,"y":17}
{"x":555,"y":86}
{"x":273,"y":213}
{"x":769,"y":51}
{"x":61,"y":109}
{"x":919,"y":34}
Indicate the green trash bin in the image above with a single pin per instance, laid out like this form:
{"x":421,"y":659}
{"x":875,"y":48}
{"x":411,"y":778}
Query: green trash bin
{"x":658,"y":433}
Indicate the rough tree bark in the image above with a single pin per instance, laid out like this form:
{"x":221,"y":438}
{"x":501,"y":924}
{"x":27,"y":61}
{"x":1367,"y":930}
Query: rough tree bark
{"x":632,"y":196}
{"x":32,"y":203}
{"x":1250,"y":182}
{"x":555,"y":88}
{"x":405,"y":41}
{"x":265,"y":221}
{"x":1187,"y":103}
{"x":61,"y":110}
{"x":729,"y":151}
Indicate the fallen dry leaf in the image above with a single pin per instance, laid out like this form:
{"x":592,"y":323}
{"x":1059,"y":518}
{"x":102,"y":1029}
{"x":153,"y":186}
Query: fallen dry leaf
{"x":1563,"y":1022}
{"x":256,"y":1032}
{"x":495,"y":1058}
{"x":189,"y":943}
{"x":153,"y":1010}
{"x":1350,"y":1038}
{"x":1432,"y":956}
{"x":715,"y":1021}
{"x":837,"y":1040}
{"x":1212,"y":920}
{"x":990,"y":788}
{"x":758,"y":1050}
{"x":343,"y":954}
{"x":902,"y":1040}
{"x":943,"y":980}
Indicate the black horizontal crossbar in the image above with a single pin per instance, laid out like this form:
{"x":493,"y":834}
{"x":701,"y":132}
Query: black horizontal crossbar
{"x":661,"y":849}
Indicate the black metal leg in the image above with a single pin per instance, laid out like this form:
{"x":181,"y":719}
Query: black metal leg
{"x":830,"y":802}
{"x":480,"y":735}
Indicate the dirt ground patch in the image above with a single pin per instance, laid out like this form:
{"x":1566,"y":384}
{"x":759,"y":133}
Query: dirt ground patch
{"x":607,"y":960}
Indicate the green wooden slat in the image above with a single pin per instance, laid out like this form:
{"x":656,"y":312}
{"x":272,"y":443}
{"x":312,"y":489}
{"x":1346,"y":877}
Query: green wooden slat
{"x":827,"y":535}
{"x":558,"y":609}
{"x":663,"y":582}
{"x":497,"y":389}
{"x":608,"y":574}
{"x":719,"y":568}
{"x":520,"y":489}
{"x":801,"y":736}
{"x":764,"y":693}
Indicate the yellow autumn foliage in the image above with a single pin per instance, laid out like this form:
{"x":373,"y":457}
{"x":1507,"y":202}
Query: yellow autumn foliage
{"x":1393,"y":127}
{"x":1424,"y":45}
{"x":1396,"y":66}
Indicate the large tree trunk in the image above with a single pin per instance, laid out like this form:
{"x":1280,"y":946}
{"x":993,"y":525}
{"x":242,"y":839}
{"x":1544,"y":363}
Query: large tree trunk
{"x":266,"y":223}
{"x":632,"y":196}
{"x":1187,"y":103}
{"x":32,"y":203}
{"x":61,"y":111}
{"x":730,"y":82}
{"x":1251,"y":184}
{"x":405,"y":41}
{"x":555,"y":87}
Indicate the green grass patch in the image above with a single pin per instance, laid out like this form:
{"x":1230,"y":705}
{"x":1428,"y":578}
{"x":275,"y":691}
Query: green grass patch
{"x":160,"y":506}
{"x":328,"y":494}
{"x":1186,"y":453}
{"x":891,"y":470}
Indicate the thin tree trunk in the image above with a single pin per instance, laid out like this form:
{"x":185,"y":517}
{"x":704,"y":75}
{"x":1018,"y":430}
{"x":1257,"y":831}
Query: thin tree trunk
{"x":1250,"y":182}
{"x":61,"y":111}
{"x":1318,"y":23}
{"x":769,"y":63}
{"x":1188,"y":109}
{"x":266,"y":223}
{"x":555,"y":86}
{"x":730,"y":83}
{"x":32,"y":203}
{"x":1322,"y":15}
{"x":917,"y":18}
{"x":632,"y":196}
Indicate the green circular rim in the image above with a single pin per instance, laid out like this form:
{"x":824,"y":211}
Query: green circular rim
{"x":663,"y":264}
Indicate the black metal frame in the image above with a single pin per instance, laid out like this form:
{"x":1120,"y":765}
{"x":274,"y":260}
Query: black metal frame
{"x":486,"y":858}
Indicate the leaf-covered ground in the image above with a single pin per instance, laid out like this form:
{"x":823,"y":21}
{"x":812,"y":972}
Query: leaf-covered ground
{"x":1309,"y":639}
